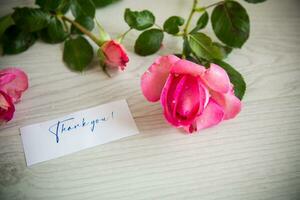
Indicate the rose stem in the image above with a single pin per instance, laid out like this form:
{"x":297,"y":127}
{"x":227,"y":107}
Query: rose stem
{"x":121,"y":37}
{"x":186,"y":27}
{"x":82,"y":29}
{"x":214,"y":4}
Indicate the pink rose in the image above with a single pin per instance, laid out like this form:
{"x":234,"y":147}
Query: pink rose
{"x":13,"y":82}
{"x":7,"y":107}
{"x":192,"y":97}
{"x":115,"y":55}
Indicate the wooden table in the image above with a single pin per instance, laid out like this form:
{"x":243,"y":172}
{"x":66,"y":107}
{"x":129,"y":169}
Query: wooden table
{"x":255,"y":156}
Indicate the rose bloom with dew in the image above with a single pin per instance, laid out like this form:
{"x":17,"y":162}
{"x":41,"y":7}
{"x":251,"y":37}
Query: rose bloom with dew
{"x":192,"y":97}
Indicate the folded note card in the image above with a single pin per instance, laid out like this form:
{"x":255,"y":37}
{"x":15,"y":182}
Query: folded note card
{"x":77,"y":131}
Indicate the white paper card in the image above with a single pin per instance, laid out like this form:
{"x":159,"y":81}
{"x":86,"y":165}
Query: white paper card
{"x":77,"y":131}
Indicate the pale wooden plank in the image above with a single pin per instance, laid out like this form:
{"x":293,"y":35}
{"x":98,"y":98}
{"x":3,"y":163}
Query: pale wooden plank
{"x":255,"y":156}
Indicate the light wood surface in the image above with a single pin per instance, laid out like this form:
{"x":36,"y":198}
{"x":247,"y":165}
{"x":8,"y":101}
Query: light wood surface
{"x":255,"y":156}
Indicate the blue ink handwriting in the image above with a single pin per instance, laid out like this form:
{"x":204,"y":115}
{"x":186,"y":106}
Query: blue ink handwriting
{"x":68,"y":125}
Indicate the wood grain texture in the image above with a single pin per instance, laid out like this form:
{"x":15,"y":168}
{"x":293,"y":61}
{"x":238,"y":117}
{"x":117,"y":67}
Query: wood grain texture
{"x":255,"y":156}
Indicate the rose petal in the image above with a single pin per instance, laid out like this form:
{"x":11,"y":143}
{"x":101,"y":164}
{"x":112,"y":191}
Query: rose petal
{"x":187,"y":67}
{"x":6,"y":78}
{"x":16,"y":86}
{"x":230,"y":103}
{"x":212,"y":115}
{"x":217,"y":79}
{"x":153,"y":80}
{"x":183,"y":99}
{"x":191,"y":100}
{"x":7,"y":107}
{"x":168,"y":98}
{"x":187,"y":100}
{"x":205,"y":98}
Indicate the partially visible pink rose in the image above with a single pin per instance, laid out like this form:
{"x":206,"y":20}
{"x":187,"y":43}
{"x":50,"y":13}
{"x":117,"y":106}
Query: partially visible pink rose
{"x":115,"y":55}
{"x":192,"y":97}
{"x":13,"y":82}
{"x":7,"y":107}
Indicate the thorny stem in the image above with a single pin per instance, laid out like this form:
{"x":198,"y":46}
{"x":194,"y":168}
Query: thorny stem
{"x":82,"y":29}
{"x":186,"y":27}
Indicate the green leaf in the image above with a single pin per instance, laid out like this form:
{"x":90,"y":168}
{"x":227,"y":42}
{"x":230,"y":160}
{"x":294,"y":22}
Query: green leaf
{"x":172,"y":24}
{"x":230,"y":23}
{"x":235,"y":78}
{"x":139,"y":20}
{"x":30,"y":19}
{"x":5,"y":22}
{"x":202,"y":47}
{"x":83,"y":7}
{"x":78,"y":53}
{"x":149,"y":42}
{"x":201,"y":23}
{"x":225,"y":50}
{"x":186,"y":47}
{"x":103,"y":3}
{"x":16,"y":40}
{"x":54,"y":32}
{"x":86,"y":21}
{"x":48,"y":5}
{"x":64,"y":6}
{"x":255,"y":1}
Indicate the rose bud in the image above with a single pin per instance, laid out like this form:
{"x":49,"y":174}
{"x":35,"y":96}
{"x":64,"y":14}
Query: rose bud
{"x":114,"y":55}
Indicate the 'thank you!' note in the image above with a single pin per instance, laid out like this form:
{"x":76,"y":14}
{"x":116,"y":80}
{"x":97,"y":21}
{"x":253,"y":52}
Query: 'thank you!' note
{"x":77,"y":131}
